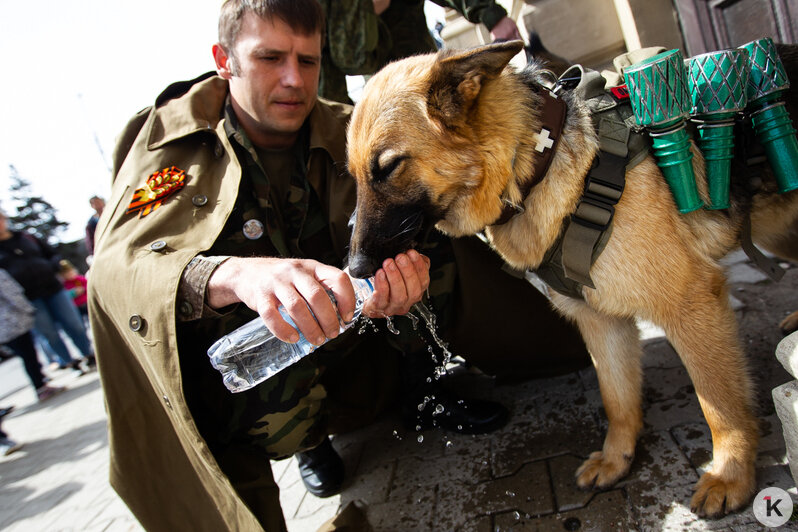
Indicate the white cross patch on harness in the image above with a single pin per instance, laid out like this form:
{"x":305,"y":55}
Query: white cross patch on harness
{"x":543,"y":140}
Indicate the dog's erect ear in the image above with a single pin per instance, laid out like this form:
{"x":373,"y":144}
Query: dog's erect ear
{"x":457,"y":77}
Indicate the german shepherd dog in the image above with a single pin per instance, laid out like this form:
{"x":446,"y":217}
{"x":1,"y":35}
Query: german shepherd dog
{"x":446,"y":139}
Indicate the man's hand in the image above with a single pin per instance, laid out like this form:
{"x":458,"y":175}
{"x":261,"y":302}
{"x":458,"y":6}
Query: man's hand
{"x":398,"y":285}
{"x":299,"y":285}
{"x":506,"y":30}
{"x":265,"y":283}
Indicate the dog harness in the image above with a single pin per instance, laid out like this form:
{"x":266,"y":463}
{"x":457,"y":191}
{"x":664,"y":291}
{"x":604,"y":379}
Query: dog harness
{"x":566,"y":265}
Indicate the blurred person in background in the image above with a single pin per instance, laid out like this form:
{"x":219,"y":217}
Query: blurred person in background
{"x":365,"y":35}
{"x":34,"y":265}
{"x":16,"y":321}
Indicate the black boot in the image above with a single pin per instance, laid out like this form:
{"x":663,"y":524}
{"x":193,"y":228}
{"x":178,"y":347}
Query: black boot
{"x":465,"y":416}
{"x":321,"y":469}
{"x":427,"y":404}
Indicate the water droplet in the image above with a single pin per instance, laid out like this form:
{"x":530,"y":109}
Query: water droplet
{"x":509,"y":493}
{"x":459,"y":427}
{"x":517,"y":516}
{"x":438,"y":410}
{"x":448,"y":444}
{"x":420,"y":438}
{"x":418,"y":428}
{"x":389,"y":324}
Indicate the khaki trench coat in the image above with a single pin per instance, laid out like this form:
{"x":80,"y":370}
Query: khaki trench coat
{"x":160,"y":465}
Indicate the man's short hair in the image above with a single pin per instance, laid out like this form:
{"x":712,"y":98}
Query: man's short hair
{"x":303,"y":16}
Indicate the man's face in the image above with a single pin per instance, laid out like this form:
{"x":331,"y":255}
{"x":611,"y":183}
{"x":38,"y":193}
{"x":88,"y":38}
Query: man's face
{"x":275,"y":85}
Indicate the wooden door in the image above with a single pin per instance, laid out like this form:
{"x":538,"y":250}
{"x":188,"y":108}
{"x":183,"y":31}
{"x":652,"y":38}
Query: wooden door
{"x":710,"y":25}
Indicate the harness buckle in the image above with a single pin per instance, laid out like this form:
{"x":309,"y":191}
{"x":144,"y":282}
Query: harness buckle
{"x":603,"y":189}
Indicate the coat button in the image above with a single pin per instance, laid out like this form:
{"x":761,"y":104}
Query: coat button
{"x":135,"y":322}
{"x":199,"y":200}
{"x":186,"y":308}
{"x":158,"y":245}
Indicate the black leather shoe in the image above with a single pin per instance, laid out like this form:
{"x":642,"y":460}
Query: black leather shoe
{"x":321,"y":469}
{"x":464,"y":416}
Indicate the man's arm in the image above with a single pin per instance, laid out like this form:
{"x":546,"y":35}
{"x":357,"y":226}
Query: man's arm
{"x":300,"y":285}
{"x":487,"y":12}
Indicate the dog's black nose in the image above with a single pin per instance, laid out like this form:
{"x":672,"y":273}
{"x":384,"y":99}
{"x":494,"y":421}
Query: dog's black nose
{"x":362,"y":266}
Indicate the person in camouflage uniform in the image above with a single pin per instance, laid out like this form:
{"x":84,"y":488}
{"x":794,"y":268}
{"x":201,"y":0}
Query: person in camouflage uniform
{"x":365,"y":35}
{"x":257,"y":215}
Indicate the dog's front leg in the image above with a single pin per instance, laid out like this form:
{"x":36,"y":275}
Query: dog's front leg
{"x":703,"y":331}
{"x":614,"y":346}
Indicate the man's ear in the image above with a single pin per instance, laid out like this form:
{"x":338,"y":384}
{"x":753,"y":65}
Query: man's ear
{"x":224,"y":66}
{"x":457,"y":78}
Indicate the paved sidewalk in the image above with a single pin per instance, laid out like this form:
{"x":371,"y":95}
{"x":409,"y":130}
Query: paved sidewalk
{"x":519,"y":478}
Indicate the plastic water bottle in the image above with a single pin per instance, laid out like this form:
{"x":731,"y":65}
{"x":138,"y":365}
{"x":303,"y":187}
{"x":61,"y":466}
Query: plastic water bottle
{"x":251,"y":354}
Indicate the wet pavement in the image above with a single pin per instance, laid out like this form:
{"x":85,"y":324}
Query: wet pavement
{"x":520,"y":478}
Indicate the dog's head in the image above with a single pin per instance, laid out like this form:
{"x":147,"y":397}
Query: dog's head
{"x":417,"y":151}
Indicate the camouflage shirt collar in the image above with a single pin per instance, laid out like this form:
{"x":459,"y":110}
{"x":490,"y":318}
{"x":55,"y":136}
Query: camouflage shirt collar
{"x":326,"y":131}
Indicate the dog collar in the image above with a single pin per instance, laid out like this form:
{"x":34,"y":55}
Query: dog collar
{"x":546,"y":141}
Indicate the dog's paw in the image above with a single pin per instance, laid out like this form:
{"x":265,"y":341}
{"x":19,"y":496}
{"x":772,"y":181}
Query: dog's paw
{"x":599,"y":471}
{"x":715,"y":497}
{"x":790,"y":323}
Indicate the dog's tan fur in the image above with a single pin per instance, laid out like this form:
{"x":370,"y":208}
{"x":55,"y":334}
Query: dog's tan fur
{"x":447,"y":137}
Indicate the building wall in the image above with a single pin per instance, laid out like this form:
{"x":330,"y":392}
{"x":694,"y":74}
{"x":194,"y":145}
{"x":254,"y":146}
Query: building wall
{"x":589,"y":32}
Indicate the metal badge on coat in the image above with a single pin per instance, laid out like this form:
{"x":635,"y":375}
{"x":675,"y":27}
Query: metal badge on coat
{"x":253,"y":229}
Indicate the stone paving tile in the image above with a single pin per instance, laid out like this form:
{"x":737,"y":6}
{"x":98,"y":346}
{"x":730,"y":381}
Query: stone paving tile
{"x":315,"y":509}
{"x":667,"y":508}
{"x":292,"y":491}
{"x":608,"y":512}
{"x":560,"y":423}
{"x":371,"y":484}
{"x":669,"y":399}
{"x":413,"y":474}
{"x":771,"y":437}
{"x":659,"y":461}
{"x":479,"y":524}
{"x":414,"y":514}
{"x":393,"y":440}
{"x":527,"y":491}
{"x":567,"y":495}
{"x":313,"y":521}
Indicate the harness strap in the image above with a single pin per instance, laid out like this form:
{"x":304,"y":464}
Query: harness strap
{"x":551,"y":124}
{"x":769,"y":266}
{"x":593,"y":216}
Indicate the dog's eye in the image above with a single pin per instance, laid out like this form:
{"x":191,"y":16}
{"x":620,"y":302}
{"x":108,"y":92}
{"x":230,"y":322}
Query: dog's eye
{"x":380,"y":173}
